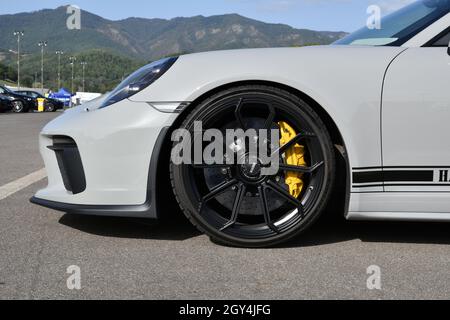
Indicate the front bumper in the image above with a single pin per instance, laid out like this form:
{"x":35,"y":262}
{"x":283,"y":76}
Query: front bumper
{"x":57,"y":104}
{"x":117,"y":148}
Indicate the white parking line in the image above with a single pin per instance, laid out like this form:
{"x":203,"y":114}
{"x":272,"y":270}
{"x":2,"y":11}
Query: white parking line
{"x":19,"y":184}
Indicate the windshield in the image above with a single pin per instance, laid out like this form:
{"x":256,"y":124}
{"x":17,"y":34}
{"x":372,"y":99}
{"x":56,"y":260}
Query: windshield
{"x":4,"y":90}
{"x":36,"y":95}
{"x":400,"y":26}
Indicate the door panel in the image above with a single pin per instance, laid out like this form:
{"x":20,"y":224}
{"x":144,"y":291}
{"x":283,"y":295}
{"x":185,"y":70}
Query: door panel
{"x":416,"y":121}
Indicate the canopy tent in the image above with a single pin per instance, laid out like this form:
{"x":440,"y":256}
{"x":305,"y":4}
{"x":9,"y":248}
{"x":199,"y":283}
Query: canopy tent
{"x":63,"y":95}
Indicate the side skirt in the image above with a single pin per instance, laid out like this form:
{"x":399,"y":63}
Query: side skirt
{"x":411,"y":206}
{"x":399,"y":216}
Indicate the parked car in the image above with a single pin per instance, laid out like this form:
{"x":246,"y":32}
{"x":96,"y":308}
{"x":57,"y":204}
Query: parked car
{"x":4,"y":104}
{"x":363,"y":122}
{"x":18,"y":102}
{"x":50,"y":105}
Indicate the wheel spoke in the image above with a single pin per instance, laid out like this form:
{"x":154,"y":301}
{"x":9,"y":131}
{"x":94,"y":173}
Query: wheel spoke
{"x":271,"y":118}
{"x":284,"y":194}
{"x":221,"y":188}
{"x":238,"y":114}
{"x":303,"y":135}
{"x":301,"y":169}
{"x":236,"y":207}
{"x":216,"y":191}
{"x":265,"y":208}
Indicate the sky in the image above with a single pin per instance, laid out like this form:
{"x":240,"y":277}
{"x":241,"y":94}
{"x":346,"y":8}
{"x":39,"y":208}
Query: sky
{"x":329,"y":15}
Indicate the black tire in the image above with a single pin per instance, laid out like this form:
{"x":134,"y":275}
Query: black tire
{"x":18,"y":106}
{"x":50,"y":107}
{"x":258,"y":227}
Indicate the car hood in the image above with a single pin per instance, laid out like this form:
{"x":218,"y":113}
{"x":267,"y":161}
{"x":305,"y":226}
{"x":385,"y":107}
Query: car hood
{"x":91,"y":105}
{"x":305,"y":69}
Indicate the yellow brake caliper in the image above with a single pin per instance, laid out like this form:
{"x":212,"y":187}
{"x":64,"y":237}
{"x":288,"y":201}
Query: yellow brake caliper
{"x":295,"y":156}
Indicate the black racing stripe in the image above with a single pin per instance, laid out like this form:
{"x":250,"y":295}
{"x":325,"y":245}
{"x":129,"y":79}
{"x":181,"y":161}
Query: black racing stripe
{"x":417,"y":167}
{"x":368,"y":177}
{"x":401,"y":167}
{"x":393,"y":176}
{"x":366,"y":168}
{"x":417,"y":185}
{"x":408,"y":176}
{"x":368,"y":186}
{"x":402,"y":185}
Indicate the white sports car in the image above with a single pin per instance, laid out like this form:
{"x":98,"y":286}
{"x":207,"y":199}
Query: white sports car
{"x":364,"y":121}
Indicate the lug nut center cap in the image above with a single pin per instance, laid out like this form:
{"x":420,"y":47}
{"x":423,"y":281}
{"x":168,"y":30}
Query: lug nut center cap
{"x":251,"y":168}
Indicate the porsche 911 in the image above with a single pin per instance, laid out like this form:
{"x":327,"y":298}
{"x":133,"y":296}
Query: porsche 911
{"x":362,"y":124}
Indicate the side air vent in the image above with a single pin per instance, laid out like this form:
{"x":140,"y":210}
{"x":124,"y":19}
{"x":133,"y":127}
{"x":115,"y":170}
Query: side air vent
{"x":70,"y":164}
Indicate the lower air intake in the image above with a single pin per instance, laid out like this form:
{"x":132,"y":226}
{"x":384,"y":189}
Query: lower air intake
{"x":70,"y":164}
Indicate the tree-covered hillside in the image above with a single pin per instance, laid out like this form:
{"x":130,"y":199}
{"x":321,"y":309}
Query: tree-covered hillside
{"x":104,"y":70}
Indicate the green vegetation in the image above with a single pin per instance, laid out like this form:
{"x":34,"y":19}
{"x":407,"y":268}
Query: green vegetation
{"x":8,"y":74}
{"x":104,"y":70}
{"x":8,"y":83}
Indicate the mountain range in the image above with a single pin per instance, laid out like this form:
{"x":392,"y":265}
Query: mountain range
{"x":149,"y":39}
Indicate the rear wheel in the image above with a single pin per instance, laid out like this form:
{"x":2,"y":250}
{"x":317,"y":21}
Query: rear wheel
{"x":236,"y":204}
{"x":18,"y":106}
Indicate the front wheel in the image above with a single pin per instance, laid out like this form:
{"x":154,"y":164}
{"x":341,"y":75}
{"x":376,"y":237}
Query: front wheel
{"x":50,"y":107}
{"x":237,"y":205}
{"x":18,"y":106}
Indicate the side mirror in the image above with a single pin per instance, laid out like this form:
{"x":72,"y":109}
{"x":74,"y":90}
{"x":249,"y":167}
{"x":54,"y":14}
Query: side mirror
{"x":448,"y":48}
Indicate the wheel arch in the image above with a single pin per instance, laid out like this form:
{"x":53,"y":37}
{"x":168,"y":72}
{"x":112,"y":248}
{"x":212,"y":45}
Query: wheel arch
{"x":341,"y":194}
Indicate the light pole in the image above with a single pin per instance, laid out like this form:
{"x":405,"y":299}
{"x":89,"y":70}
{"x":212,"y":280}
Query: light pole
{"x":72,"y":63}
{"x":42,"y":44}
{"x":59,"y":53}
{"x":83,"y":64}
{"x":19,"y":35}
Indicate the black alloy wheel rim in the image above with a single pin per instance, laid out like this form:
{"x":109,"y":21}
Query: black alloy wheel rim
{"x":270,"y":208}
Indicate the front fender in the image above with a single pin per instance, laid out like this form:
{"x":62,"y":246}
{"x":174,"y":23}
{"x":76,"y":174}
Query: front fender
{"x":346,"y":81}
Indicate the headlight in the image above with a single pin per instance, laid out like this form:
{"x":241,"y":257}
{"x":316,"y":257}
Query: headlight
{"x":138,"y":81}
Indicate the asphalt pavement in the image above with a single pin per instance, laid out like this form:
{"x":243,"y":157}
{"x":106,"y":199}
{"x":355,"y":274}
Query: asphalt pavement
{"x":121,"y":258}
